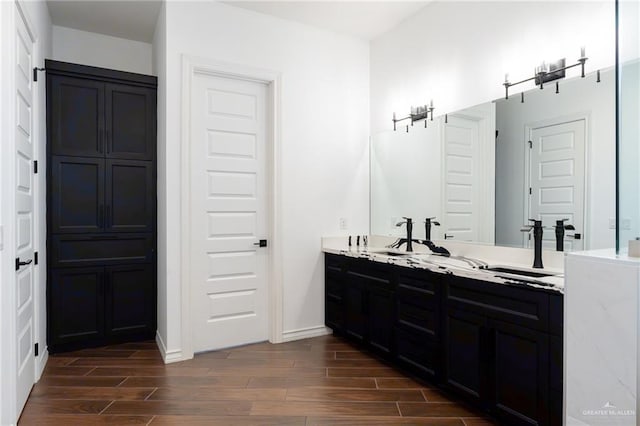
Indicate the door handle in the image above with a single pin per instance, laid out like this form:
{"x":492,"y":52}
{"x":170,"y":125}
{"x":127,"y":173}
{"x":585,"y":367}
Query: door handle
{"x":19,"y":263}
{"x":447,"y":237}
{"x":261,"y":243}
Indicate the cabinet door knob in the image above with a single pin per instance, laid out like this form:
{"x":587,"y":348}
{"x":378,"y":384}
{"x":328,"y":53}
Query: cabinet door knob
{"x":261,"y":243}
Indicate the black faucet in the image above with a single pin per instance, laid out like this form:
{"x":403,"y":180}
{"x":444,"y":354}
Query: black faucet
{"x":427,"y":227}
{"x":560,"y":227}
{"x":409,"y":222}
{"x":537,"y":241}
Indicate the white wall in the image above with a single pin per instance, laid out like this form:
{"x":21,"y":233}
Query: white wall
{"x":99,"y":50}
{"x":457,"y":53}
{"x":160,"y":69}
{"x":324,"y":142}
{"x":577,"y":98}
{"x":38,"y":15}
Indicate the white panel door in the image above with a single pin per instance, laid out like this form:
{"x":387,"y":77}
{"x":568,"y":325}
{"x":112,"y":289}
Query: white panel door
{"x":228,"y":212}
{"x":557,"y":179}
{"x":461,"y":180}
{"x":24,"y":219}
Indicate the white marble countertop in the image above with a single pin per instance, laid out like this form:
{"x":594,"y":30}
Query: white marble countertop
{"x":463,"y":260}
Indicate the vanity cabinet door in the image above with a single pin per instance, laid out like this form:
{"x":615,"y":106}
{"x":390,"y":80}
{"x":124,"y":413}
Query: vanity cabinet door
{"x":355,"y":318}
{"x":466,"y":354}
{"x":381,"y":315}
{"x":520,"y":372}
{"x":333,"y":301}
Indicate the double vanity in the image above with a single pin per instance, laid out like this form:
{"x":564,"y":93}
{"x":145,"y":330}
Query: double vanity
{"x":488,"y":331}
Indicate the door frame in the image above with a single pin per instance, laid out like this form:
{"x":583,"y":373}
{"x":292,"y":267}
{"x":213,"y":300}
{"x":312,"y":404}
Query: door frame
{"x":8,"y":362}
{"x":192,"y":65}
{"x":528,"y":129}
{"x":486,"y":162}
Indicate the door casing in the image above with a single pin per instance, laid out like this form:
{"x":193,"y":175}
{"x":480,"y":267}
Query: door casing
{"x":273,"y":79}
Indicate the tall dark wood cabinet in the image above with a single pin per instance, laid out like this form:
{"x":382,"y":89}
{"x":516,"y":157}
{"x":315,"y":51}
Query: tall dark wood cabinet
{"x":101,"y":206}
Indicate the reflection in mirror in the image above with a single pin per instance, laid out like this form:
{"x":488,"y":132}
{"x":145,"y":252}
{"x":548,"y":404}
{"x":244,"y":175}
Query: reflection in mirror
{"x":486,"y":170}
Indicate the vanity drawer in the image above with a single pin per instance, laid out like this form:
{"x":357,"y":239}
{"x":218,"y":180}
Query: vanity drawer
{"x":334,"y":262}
{"x":520,"y":306}
{"x":417,"y":309}
{"x":369,"y":271}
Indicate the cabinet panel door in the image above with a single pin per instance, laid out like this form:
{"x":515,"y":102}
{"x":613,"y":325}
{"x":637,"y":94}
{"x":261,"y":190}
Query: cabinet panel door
{"x":418,"y":351}
{"x":76,"y":116}
{"x":333,"y":304}
{"x":130,"y":198}
{"x":465,"y":354}
{"x":131,"y":122}
{"x":77,"y":194}
{"x":381,"y":318}
{"x":520,"y":374}
{"x":355,"y":319}
{"x":130,"y":299}
{"x":76,"y":310}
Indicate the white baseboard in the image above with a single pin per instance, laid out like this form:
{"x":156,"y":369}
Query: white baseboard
{"x":305,"y":333}
{"x":168,"y":356}
{"x":41,"y":363}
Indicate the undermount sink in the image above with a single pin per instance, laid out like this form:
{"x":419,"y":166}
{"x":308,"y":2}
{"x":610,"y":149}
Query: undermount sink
{"x":516,"y":271}
{"x":391,"y":253}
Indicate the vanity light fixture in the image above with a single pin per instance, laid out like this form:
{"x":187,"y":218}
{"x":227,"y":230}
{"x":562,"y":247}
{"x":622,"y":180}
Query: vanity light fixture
{"x":545,"y":73}
{"x":423,"y":112}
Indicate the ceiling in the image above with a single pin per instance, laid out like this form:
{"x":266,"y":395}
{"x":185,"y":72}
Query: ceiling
{"x":136,"y":19}
{"x":133,"y":20}
{"x":362,"y":19}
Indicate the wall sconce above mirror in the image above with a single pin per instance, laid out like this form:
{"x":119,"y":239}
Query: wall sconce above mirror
{"x":417,"y":113}
{"x":546,"y":73}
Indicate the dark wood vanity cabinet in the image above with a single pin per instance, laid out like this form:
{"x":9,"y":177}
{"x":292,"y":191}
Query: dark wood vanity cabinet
{"x":101,"y":198}
{"x":359,"y":303}
{"x":495,"y":345}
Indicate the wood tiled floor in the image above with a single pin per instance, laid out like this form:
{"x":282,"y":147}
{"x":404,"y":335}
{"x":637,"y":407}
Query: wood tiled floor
{"x":320,"y":381}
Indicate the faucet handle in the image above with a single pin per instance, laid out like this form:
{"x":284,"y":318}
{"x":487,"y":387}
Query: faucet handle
{"x":431,"y":221}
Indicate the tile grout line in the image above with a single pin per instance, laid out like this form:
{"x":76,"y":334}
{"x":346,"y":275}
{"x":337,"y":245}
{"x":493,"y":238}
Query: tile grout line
{"x":105,"y":408}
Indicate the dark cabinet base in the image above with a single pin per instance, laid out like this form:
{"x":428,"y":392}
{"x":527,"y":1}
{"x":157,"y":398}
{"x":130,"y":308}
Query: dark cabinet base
{"x":495,"y":346}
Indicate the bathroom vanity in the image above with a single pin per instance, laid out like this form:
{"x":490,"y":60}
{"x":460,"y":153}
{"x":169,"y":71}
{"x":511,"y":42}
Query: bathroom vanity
{"x":489,"y":337}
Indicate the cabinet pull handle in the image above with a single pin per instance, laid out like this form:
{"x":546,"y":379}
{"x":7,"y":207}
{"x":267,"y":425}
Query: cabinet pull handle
{"x":103,"y":237}
{"x":107,"y":219}
{"x":107,"y":140}
{"x":101,"y":216}
{"x":100,"y":139}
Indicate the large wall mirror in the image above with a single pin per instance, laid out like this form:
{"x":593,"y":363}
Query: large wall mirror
{"x":485,"y":170}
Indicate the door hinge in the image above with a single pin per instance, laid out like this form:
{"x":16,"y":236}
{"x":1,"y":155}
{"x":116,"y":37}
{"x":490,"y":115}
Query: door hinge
{"x":35,"y":166}
{"x":35,"y":258}
{"x":530,"y":144}
{"x":35,"y":350}
{"x":35,"y":73}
